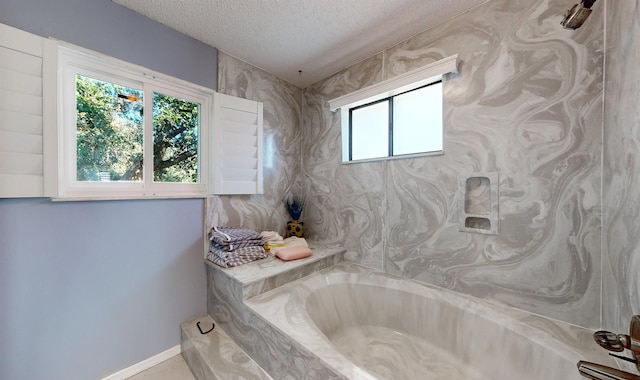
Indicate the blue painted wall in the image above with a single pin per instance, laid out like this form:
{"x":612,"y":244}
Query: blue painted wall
{"x":90,"y":288}
{"x":104,"y":26}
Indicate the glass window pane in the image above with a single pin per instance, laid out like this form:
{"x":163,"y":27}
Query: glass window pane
{"x":175,"y":139}
{"x":417,"y":120}
{"x":370,"y":131}
{"x":109,"y":131}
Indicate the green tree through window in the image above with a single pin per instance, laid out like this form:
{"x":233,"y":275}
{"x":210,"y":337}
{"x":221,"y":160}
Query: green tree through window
{"x":175,"y":139}
{"x":110,"y":134}
{"x":109,"y":131}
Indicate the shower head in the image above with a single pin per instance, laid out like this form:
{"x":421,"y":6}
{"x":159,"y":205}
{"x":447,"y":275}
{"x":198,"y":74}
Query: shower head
{"x":576,"y":16}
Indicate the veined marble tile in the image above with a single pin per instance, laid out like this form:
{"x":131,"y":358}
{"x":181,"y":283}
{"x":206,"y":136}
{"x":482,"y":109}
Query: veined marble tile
{"x":262,"y":275}
{"x":282,"y":104}
{"x":345,"y":203}
{"x":369,"y":325}
{"x":621,"y":293}
{"x":527,"y":103}
{"x":266,"y":345}
{"x":214,"y":355}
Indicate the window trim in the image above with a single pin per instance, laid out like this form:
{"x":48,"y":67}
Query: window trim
{"x":411,"y":80}
{"x":73,"y":60}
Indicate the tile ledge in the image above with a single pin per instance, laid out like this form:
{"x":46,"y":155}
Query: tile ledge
{"x":271,"y":266}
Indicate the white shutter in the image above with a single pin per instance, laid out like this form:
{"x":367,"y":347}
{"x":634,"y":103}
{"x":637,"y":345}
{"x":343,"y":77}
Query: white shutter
{"x":237,"y":145}
{"x":21,"y":113}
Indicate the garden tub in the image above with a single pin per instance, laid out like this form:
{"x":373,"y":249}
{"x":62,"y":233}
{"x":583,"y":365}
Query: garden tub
{"x":370,"y":325}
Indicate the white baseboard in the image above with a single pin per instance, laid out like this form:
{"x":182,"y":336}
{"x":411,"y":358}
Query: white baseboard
{"x":145,"y":364}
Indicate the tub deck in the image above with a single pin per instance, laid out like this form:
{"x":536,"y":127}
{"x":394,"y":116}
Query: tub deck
{"x":230,"y":351}
{"x":261,"y":310}
{"x":371,"y":351}
{"x":263,"y":275}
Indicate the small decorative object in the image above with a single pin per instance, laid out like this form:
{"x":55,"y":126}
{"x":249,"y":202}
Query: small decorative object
{"x":294,"y":208}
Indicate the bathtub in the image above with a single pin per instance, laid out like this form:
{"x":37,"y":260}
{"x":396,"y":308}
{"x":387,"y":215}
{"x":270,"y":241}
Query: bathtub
{"x":370,"y":325}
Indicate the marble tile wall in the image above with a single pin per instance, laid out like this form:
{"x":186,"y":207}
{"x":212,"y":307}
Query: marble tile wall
{"x":266,"y":345}
{"x":621,"y":190}
{"x":215,"y":355}
{"x":527,"y":104}
{"x":282,"y":142}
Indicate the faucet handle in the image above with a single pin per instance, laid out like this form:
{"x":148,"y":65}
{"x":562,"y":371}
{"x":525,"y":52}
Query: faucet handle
{"x":608,"y":341}
{"x":618,"y":342}
{"x":600,"y":372}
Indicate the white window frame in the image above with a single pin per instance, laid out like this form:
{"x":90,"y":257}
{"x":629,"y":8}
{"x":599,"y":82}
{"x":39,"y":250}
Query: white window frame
{"x":411,"y":80}
{"x":74,"y":61}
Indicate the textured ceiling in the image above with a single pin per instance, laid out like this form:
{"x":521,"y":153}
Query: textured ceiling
{"x":318,"y":37}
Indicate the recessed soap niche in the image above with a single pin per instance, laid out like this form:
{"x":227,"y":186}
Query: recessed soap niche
{"x":478,"y":194}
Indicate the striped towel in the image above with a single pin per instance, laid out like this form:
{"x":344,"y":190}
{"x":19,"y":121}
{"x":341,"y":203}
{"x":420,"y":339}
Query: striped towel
{"x":242,"y":244}
{"x":230,"y":238}
{"x":239,"y":256}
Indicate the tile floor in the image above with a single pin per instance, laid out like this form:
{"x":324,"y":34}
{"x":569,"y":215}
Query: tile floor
{"x":172,"y":369}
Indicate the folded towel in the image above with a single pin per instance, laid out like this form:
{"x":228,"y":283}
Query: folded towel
{"x":231,"y":238}
{"x":230,"y":235}
{"x":239,"y":256}
{"x":270,"y":236}
{"x":292,"y":253}
{"x":237,"y":245}
{"x":295,"y":241}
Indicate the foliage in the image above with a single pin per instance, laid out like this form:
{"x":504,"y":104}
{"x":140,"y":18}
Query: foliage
{"x":294,"y":207}
{"x":110,"y":130}
{"x":175,"y":139}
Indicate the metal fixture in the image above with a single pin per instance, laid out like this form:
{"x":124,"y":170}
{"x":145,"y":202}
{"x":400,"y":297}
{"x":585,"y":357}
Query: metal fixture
{"x":616,"y":343}
{"x":577,"y":15}
{"x":600,"y":372}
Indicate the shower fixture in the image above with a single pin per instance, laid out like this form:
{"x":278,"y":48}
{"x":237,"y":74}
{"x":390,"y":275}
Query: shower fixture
{"x":576,"y":16}
{"x":616,"y":343}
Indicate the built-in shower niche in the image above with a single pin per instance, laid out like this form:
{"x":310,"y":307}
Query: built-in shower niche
{"x":478,"y":194}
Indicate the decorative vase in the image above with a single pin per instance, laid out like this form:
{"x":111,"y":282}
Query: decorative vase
{"x":295,"y":228}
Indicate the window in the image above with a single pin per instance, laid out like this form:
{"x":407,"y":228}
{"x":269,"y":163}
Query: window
{"x":127,"y":132}
{"x":407,"y":123}
{"x":399,"y":117}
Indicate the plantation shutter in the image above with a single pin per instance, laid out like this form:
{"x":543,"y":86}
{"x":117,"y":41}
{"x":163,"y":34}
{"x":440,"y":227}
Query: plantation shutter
{"x":21,"y":113}
{"x":237,"y":166}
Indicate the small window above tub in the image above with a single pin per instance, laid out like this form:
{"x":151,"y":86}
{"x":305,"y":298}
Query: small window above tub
{"x":397,"y":118}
